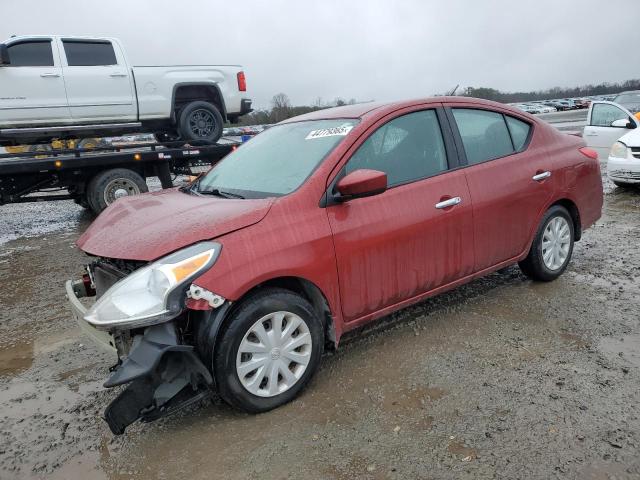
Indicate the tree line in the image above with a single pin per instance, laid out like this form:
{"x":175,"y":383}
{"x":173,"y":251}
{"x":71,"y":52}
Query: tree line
{"x":604,"y":88}
{"x":281,"y":107}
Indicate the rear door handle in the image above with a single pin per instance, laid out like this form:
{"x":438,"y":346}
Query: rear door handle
{"x":118,"y":74}
{"x":448,"y":203}
{"x":541,"y":176}
{"x":54,"y":75}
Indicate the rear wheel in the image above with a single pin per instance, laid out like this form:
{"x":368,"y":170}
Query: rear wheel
{"x":552,"y":246}
{"x":269,"y":351}
{"x":200,"y":121}
{"x":621,"y":184}
{"x":106,"y":187}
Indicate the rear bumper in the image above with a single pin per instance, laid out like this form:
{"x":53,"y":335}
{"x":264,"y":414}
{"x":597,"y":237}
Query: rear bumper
{"x":245,"y":106}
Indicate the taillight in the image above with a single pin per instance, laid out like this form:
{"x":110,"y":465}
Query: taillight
{"x":242,"y":82}
{"x":589,"y":152}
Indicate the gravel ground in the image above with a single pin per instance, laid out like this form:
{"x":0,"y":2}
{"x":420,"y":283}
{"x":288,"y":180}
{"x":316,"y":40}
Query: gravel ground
{"x":501,"y":378}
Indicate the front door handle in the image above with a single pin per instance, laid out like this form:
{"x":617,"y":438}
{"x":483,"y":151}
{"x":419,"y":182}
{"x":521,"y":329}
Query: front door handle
{"x":53,"y":75}
{"x":448,"y":203}
{"x":541,"y":176}
{"x":118,"y":74}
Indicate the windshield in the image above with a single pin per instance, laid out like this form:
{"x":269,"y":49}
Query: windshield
{"x":277,"y":161}
{"x":628,"y":99}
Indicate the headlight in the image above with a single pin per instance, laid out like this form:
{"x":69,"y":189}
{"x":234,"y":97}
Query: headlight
{"x":619,"y":150}
{"x":153,"y":294}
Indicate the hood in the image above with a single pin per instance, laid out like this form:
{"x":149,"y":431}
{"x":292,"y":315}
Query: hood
{"x":146,"y":227}
{"x":631,"y":138}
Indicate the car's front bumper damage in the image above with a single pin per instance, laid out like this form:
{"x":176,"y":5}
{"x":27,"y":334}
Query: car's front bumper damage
{"x":163,"y":374}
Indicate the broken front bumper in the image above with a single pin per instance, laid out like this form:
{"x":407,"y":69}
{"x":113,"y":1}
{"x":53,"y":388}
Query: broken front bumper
{"x":74,"y":292}
{"x":162,"y":374}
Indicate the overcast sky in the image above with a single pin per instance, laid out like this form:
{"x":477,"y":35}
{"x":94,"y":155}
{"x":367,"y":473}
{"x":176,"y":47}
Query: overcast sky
{"x":382,"y":50}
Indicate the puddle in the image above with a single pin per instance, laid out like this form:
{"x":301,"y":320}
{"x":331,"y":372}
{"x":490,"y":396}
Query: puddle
{"x":15,"y":359}
{"x":458,"y":447}
{"x":625,"y":348}
{"x":576,"y":342}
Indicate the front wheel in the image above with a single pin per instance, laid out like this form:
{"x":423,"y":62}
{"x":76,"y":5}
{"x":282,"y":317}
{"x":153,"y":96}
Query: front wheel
{"x":269,"y":351}
{"x":552,"y":246}
{"x":200,"y":122}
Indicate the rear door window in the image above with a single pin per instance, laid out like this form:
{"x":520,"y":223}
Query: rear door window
{"x":407,"y":148}
{"x":88,"y":54}
{"x":31,"y":54}
{"x":485,"y":135}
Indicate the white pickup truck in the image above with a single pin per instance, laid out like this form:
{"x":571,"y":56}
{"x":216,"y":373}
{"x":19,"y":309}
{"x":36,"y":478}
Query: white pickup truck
{"x":77,"y":87}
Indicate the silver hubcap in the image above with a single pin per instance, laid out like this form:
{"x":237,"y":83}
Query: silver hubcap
{"x":274,"y":354}
{"x":118,"y":188}
{"x":556,"y":241}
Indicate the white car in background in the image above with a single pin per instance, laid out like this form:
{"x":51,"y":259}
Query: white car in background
{"x":613,"y":132}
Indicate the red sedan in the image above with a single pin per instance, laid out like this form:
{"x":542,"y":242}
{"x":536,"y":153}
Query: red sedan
{"x":320,"y":224}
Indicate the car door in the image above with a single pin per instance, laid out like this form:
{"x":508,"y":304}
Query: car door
{"x":510,"y":180}
{"x":31,"y":86}
{"x":606,"y":123}
{"x":99,"y":84}
{"x":414,"y":237}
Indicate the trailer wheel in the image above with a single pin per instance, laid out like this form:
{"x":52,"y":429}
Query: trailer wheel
{"x":106,"y":187}
{"x":200,"y":121}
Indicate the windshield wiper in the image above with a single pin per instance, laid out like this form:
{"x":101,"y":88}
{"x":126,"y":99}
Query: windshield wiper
{"x":219,"y":193}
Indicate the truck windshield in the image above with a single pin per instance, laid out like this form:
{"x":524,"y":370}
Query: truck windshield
{"x":275,"y":162}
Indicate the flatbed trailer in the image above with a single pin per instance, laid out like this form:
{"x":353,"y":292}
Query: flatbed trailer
{"x":95,"y":178}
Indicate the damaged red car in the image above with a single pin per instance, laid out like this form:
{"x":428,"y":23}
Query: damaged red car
{"x":236,"y":283}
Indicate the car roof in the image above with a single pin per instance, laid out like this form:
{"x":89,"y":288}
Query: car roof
{"x":379,"y":109}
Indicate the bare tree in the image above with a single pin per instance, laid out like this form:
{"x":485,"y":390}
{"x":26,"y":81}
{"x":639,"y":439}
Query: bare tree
{"x":281,"y":106}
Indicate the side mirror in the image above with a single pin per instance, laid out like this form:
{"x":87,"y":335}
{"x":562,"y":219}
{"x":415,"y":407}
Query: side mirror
{"x":623,"y":123}
{"x":4,"y":55}
{"x":361,"y":183}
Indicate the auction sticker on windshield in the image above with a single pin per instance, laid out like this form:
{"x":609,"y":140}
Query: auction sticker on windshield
{"x":342,"y":130}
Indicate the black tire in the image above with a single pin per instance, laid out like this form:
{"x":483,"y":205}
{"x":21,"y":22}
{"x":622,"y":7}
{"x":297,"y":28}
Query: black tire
{"x":534,"y":266}
{"x":242,"y":318}
{"x":200,"y":122}
{"x":100,"y":190}
{"x":621,"y":184}
{"x":82,"y":201}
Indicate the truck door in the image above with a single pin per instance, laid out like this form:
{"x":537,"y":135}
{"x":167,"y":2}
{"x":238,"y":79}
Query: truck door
{"x":606,"y":123}
{"x":98,"y":81}
{"x":31,"y":86}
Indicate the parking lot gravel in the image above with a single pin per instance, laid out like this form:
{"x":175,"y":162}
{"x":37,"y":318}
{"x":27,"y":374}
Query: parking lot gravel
{"x":501,"y":378}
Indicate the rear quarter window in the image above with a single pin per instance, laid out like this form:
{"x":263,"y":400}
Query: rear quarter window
{"x":519,"y":132}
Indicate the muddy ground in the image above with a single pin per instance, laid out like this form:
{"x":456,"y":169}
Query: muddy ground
{"x":502,"y":378}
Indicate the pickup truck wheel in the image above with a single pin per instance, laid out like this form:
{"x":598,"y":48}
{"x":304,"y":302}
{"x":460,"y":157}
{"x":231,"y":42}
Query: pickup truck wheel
{"x":106,"y":187}
{"x":200,"y":121}
{"x":552,"y":246}
{"x":269,"y":351}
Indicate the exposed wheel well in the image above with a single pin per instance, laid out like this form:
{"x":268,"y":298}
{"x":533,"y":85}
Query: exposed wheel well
{"x":312,"y":294}
{"x":189,"y":93}
{"x":575,"y":216}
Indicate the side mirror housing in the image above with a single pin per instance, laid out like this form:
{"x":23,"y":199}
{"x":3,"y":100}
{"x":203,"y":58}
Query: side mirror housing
{"x":623,"y":123}
{"x":361,"y":183}
{"x":4,"y":55}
